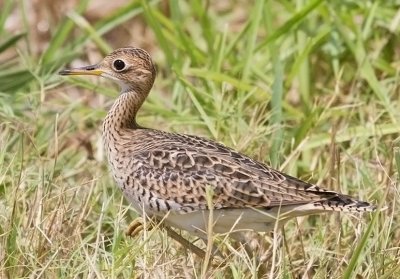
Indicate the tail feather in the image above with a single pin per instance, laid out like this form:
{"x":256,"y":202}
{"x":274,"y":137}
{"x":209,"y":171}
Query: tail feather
{"x":326,"y":200}
{"x":344,"y":203}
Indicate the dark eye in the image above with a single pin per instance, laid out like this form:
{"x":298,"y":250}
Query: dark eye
{"x":119,"y":65}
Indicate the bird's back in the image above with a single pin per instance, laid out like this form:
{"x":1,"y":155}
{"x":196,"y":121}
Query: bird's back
{"x":170,"y":172}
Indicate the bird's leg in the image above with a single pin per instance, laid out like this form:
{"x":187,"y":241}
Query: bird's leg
{"x":138,"y":225}
{"x":185,"y":243}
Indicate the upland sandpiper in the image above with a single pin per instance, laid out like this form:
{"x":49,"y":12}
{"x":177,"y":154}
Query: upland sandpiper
{"x":167,"y":175}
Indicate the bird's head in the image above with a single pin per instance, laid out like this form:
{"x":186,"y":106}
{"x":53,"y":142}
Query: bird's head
{"x":132,"y":68}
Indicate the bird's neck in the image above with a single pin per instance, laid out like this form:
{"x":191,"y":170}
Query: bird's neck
{"x":122,"y":116}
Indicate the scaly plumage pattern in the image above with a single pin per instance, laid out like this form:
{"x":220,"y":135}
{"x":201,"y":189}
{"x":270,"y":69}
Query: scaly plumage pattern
{"x":166,"y":174}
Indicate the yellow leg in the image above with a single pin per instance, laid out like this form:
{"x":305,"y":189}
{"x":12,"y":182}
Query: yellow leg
{"x":138,"y":225}
{"x":185,"y":243}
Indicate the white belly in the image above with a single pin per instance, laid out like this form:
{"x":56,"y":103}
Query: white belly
{"x":238,"y":220}
{"x":223,"y":220}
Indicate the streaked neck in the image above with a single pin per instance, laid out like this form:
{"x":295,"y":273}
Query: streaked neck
{"x":122,"y":116}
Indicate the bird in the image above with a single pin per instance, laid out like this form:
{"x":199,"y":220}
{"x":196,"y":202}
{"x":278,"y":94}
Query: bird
{"x":184,"y":180}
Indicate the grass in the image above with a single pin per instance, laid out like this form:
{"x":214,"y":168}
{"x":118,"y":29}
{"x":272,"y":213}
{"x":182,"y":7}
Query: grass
{"x":311,"y":87}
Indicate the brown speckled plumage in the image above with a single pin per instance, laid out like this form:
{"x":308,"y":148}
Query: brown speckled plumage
{"x":161,"y":172}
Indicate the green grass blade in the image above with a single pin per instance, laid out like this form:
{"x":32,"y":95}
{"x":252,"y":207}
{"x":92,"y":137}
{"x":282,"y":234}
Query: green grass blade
{"x":351,"y":133}
{"x":12,"y":81}
{"x":5,"y":12}
{"x":366,"y":70}
{"x":61,"y":35}
{"x":357,"y":255}
{"x":158,"y":30}
{"x":10,"y":41}
{"x":397,"y":160}
{"x":120,"y":16}
{"x":277,"y":96}
{"x":220,"y":77}
{"x":291,"y":23}
{"x":207,"y":120}
{"x":85,"y":25}
{"x":252,"y":38}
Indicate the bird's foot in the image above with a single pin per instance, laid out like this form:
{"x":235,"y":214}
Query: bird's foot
{"x":138,"y":225}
